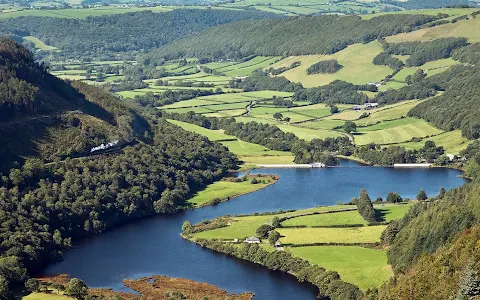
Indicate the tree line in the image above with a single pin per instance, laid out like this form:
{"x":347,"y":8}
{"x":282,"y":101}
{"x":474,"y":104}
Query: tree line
{"x":111,"y":37}
{"x":325,"y":34}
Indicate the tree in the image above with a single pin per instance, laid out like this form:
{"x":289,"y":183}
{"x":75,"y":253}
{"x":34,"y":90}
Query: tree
{"x":254,"y":181}
{"x":77,"y":288}
{"x":287,"y":119}
{"x":422,"y":196}
{"x":263,"y":230}
{"x":469,"y":285}
{"x":187,"y":227}
{"x":442,"y":192}
{"x":333,"y":109}
{"x":273,"y":237}
{"x":4,"y":288}
{"x":278,"y":116}
{"x":349,"y":127}
{"x":365,"y":207}
{"x":33,"y":285}
{"x":394,"y":198}
{"x":276,"y":222}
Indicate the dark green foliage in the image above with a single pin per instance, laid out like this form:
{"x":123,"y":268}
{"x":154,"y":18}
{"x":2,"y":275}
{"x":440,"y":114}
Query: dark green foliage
{"x":77,"y":288}
{"x":419,"y":4}
{"x":152,"y":100}
{"x":417,"y":234}
{"x":333,"y":109}
{"x":335,"y":92}
{"x":391,"y":155}
{"x":108,"y":37}
{"x":349,"y":126}
{"x":276,"y":222}
{"x":324,"y":34}
{"x":365,"y":207}
{"x":422,"y":195}
{"x":273,"y":138}
{"x":44,"y":205}
{"x":422,"y":52}
{"x":324,"y":67}
{"x":33,"y":285}
{"x":387,"y":60}
{"x":469,"y":54}
{"x":273,"y":237}
{"x":394,"y":198}
{"x":262,"y":231}
{"x":329,"y":283}
{"x":260,"y":80}
{"x":469,"y":287}
{"x":458,"y":107}
{"x":280,"y":101}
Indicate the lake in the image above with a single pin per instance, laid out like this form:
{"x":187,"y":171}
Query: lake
{"x":154,"y":246}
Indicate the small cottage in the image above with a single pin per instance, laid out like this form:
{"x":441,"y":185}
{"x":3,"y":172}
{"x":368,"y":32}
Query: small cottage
{"x":252,"y":240}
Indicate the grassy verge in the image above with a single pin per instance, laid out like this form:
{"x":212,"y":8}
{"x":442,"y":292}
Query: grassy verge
{"x":227,"y":189}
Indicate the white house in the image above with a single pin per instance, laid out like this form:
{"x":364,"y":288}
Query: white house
{"x":252,"y":240}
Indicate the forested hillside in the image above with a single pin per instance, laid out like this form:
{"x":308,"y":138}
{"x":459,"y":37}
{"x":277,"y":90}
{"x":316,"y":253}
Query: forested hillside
{"x":113,"y":36}
{"x":45,"y":205}
{"x":419,"y":4}
{"x":293,"y":36}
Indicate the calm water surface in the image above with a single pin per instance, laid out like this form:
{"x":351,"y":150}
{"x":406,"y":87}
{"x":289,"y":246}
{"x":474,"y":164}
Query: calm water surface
{"x":153,"y":245}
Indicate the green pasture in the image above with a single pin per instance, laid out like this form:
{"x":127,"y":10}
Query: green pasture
{"x":189,"y":103}
{"x":309,"y":134}
{"x":322,"y":124}
{"x":433,"y":12}
{"x":430,"y":68}
{"x":364,"y":267}
{"x":46,"y":296}
{"x":391,"y":85}
{"x":332,"y":219}
{"x":463,"y":28}
{"x":396,"y":134}
{"x":242,"y":227}
{"x":222,"y":190}
{"x":227,"y":106}
{"x":357,"y":62}
{"x":240,"y":148}
{"x":197,"y":110}
{"x":226,"y":113}
{"x":390,"y":212}
{"x":452,"y":141}
{"x":390,"y":124}
{"x":347,"y":235}
{"x":213,"y":135}
{"x":39,"y":44}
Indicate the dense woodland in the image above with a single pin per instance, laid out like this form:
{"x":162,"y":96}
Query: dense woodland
{"x":422,"y":52}
{"x":44,"y":206}
{"x":121,"y":35}
{"x":324,"y":67}
{"x":324,"y":34}
{"x":260,"y":80}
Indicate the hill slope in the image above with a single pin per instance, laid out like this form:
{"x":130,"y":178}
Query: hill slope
{"x":44,"y":204}
{"x":293,"y":36}
{"x":106,"y":37}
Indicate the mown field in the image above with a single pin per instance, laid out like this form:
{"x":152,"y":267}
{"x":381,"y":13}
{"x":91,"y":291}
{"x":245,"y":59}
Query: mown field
{"x":248,"y":152}
{"x":363,"y":265}
{"x":225,"y":190}
{"x":356,"y":60}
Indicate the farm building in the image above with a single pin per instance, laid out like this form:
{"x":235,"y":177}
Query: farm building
{"x":252,"y":240}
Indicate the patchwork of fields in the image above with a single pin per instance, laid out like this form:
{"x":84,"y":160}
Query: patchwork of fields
{"x":319,"y":235}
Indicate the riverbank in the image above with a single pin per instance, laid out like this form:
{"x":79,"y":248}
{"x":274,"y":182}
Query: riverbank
{"x":149,"y":288}
{"x":336,"y":238}
{"x":230,"y":188}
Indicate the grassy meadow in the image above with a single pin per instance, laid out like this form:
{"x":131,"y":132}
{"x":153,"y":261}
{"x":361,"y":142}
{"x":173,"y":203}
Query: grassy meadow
{"x":357,"y":62}
{"x":363,"y":265}
{"x":225,"y":190}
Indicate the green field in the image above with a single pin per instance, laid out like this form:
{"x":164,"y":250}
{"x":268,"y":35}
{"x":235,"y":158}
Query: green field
{"x":213,"y":135}
{"x":367,"y":234}
{"x":334,"y":219}
{"x":45,"y":296}
{"x":323,"y":124}
{"x":451,"y":141}
{"x":463,"y":28}
{"x":396,"y":134}
{"x":248,"y":152}
{"x":355,"y":59}
{"x":223,"y":190}
{"x":390,"y":212}
{"x":364,"y":267}
{"x":39,"y":44}
{"x":430,"y":68}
